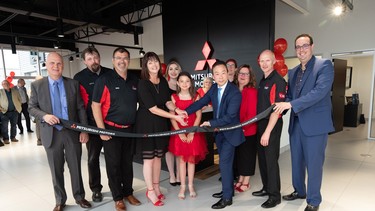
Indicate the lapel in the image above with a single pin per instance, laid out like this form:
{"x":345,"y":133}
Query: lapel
{"x":45,"y":87}
{"x":223,"y":97}
{"x":306,"y":76}
{"x":68,"y":95}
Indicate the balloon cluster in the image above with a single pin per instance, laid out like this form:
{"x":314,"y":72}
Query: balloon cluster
{"x":10,"y":78}
{"x":279,"y":47}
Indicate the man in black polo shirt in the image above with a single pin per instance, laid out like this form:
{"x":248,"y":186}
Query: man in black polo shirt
{"x":272,"y":88}
{"x":87,"y":78}
{"x":114,"y":105}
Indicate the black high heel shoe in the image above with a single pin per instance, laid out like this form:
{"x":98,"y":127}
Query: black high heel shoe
{"x":173,"y":183}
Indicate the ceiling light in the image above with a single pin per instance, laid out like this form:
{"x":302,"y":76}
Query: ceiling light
{"x":141,"y":52}
{"x":59,"y":27}
{"x":342,"y":7}
{"x":338,"y":10}
{"x":56,"y":45}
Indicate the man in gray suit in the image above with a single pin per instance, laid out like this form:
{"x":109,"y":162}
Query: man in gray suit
{"x":55,"y":97}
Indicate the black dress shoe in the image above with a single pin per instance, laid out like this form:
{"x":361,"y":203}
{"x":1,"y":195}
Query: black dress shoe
{"x":30,"y":131}
{"x":311,"y":208}
{"x":222,"y":203}
{"x":21,"y":132}
{"x":173,"y":183}
{"x":260,"y":193}
{"x":293,"y":196}
{"x":84,"y":203}
{"x":270,"y":203}
{"x":218,"y":195}
{"x":97,"y":196}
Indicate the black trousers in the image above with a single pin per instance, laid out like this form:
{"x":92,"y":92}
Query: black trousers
{"x":94,"y":147}
{"x":268,"y":158}
{"x":25,"y":113}
{"x":10,"y":116}
{"x":118,"y":153}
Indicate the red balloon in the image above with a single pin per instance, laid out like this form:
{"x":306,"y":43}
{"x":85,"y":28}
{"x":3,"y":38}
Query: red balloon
{"x":280,"y":61}
{"x":12,"y":73}
{"x":9,"y":79}
{"x":11,"y":85}
{"x":280,"y":46}
{"x":163,"y":68}
{"x":283,"y":70}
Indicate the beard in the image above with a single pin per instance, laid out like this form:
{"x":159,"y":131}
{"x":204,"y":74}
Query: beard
{"x":95,"y":67}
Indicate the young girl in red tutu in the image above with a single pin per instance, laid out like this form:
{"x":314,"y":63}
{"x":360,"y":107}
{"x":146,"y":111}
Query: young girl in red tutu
{"x":190,"y":148}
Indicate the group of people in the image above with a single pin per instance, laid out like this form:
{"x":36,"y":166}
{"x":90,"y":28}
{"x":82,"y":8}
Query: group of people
{"x":14,"y":103}
{"x":308,"y":98}
{"x":115,"y":99}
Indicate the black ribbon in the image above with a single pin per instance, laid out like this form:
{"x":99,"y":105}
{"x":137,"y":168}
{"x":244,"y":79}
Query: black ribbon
{"x":98,"y":131}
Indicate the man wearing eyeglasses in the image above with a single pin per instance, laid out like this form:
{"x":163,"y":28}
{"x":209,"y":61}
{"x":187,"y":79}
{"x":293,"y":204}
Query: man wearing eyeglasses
{"x":309,"y":98}
{"x":231,"y":66}
{"x":114,"y":106}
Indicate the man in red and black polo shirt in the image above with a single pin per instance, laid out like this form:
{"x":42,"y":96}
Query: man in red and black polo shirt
{"x":114,"y":105}
{"x":87,"y":78}
{"x":272,"y":88}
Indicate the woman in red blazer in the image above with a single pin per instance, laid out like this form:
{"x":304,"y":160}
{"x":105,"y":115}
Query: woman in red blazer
{"x":245,"y":154}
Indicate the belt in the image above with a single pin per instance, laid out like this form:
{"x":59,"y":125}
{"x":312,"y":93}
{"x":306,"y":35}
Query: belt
{"x":116,"y":125}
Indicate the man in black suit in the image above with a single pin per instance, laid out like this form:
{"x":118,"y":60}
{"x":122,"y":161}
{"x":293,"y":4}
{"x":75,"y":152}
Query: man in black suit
{"x":52,"y":98}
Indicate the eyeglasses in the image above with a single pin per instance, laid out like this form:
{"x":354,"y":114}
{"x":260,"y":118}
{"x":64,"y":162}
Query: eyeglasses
{"x":304,"y":47}
{"x":122,"y":58}
{"x":244,"y":74}
{"x":229,"y":65}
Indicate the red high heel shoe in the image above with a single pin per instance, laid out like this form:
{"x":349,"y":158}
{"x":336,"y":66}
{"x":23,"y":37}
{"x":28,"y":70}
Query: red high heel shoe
{"x":158,"y":203}
{"x":242,"y":188}
{"x":160,"y":196}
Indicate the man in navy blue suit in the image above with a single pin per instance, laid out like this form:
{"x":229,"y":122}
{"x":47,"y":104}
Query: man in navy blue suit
{"x":226,"y":101}
{"x":309,"y":98}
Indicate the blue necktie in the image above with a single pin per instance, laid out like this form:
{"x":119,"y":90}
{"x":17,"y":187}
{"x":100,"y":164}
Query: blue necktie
{"x":218,"y":101}
{"x":57,"y":108}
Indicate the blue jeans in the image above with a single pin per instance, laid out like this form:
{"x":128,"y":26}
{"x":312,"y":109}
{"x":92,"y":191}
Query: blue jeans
{"x":12,"y":117}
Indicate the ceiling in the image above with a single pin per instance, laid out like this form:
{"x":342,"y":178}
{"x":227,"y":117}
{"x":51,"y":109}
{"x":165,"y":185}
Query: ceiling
{"x":33,"y":22}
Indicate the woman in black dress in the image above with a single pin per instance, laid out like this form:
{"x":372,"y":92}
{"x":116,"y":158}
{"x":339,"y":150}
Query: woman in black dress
{"x":153,"y":116}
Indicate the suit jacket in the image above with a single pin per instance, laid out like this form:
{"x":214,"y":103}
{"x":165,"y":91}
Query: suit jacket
{"x":40,"y":104}
{"x":16,"y":98}
{"x":229,"y":113}
{"x":313,"y":104}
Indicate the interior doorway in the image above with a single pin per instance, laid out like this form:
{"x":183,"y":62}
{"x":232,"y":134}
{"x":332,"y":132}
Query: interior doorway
{"x":360,"y":81}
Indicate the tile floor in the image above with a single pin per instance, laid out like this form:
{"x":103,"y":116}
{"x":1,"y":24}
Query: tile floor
{"x":348,"y":185}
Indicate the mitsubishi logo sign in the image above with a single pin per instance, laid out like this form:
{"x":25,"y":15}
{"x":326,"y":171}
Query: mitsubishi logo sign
{"x":206,"y":53}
